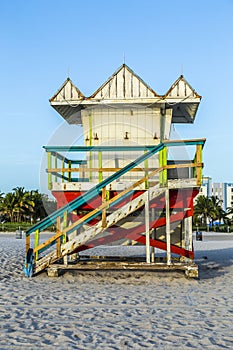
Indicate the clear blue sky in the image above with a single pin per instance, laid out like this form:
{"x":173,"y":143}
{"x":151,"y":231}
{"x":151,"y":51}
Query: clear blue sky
{"x":45,"y":40}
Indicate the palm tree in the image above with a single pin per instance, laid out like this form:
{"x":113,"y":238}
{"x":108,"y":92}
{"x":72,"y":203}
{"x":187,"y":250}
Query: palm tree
{"x":9,"y":206}
{"x":38,"y":210}
{"x":209,"y":209}
{"x":20,"y":205}
{"x":1,"y":196}
{"x":229,"y":215}
{"x":24,"y":202}
{"x":1,"y":207}
{"x":203,"y":209}
{"x":43,"y":205}
{"x":219,"y":212}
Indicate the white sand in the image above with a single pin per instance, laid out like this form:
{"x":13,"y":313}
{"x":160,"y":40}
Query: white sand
{"x":111,"y":310}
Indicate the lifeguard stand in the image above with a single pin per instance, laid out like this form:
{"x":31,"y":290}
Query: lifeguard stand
{"x":123,"y":183}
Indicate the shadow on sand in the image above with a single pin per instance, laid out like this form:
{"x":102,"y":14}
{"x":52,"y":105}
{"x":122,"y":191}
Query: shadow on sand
{"x":214,"y":263}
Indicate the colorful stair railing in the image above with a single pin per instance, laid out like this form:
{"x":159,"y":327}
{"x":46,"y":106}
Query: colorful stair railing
{"x":60,"y":216}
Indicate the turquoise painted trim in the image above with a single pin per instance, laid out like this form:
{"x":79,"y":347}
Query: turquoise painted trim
{"x":122,"y":148}
{"x":78,"y":161}
{"x":95,"y":148}
{"x":94,"y":191}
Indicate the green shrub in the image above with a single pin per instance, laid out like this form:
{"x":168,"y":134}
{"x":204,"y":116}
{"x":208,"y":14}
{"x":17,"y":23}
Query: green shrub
{"x":13,"y":226}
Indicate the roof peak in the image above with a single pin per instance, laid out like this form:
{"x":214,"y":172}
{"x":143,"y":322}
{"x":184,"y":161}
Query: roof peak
{"x":124,"y":83}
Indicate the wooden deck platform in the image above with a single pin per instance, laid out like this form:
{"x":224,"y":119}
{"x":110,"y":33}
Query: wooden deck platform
{"x":118,"y":264}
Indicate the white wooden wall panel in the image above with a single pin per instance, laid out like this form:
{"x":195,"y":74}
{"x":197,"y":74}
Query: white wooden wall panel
{"x":111,"y":126}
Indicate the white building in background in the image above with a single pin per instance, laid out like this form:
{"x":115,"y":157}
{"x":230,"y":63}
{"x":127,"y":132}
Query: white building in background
{"x":222,"y":190}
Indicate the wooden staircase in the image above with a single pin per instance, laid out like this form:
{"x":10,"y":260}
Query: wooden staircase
{"x":99,"y":226}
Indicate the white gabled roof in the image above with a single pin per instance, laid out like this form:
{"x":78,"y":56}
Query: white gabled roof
{"x":125,"y":88}
{"x":124,"y":84}
{"x":69,"y":92}
{"x":181,"y":89}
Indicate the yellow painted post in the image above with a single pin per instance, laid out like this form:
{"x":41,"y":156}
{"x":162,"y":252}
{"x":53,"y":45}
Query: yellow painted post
{"x":69,"y":172}
{"x":64,"y":225}
{"x":49,"y":174}
{"x":199,"y":161}
{"x":164,"y":165}
{"x":55,"y":179}
{"x":58,"y":241}
{"x":194,"y":161}
{"x":160,"y":165}
{"x":27,"y":243}
{"x":100,"y":161}
{"x":107,"y":195}
{"x":104,"y":212}
{"x":36,"y":243}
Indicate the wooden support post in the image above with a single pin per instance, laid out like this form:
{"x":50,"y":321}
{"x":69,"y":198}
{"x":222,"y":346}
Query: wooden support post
{"x":64,"y":237}
{"x":49,"y":174}
{"x":69,"y":172}
{"x":188,"y":233}
{"x":168,"y":228}
{"x":90,"y":166}
{"x":146,"y":173}
{"x":160,"y":165}
{"x":104,"y":212}
{"x":64,"y":225}
{"x":81,"y":172}
{"x":164,"y":165}
{"x":58,"y":240}
{"x":100,"y":166}
{"x":199,"y":160}
{"x":162,"y":126}
{"x":55,"y":165}
{"x":153,"y":235}
{"x":107,"y":195}
{"x":147,"y":226}
{"x":27,"y":243}
{"x":36,"y":243}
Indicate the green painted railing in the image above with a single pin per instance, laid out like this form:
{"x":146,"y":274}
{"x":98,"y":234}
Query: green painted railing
{"x":68,"y":167}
